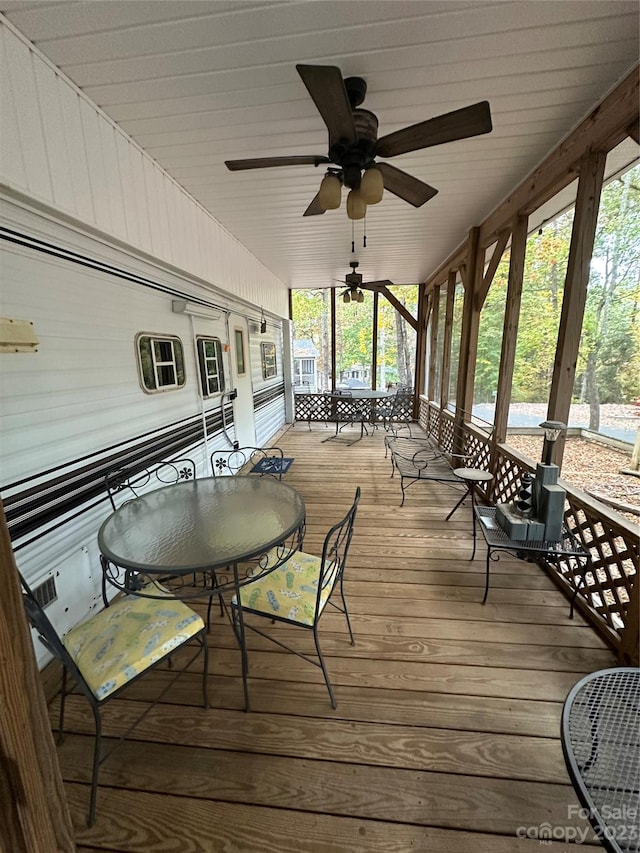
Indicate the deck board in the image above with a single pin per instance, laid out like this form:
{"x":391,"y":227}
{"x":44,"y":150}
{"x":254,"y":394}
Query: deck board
{"x":446,"y":735}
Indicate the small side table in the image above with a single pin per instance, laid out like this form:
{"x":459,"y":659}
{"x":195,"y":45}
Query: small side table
{"x":470,"y":477}
{"x":498,"y":540}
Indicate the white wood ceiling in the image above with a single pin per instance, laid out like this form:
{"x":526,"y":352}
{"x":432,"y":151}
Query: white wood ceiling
{"x":196,"y":83}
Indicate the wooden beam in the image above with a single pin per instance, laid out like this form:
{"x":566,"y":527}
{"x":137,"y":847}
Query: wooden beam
{"x":446,"y":345}
{"x":606,"y":126}
{"x":400,"y":308}
{"x":435,"y":311}
{"x":455,"y":260}
{"x":33,"y":809}
{"x":575,"y":290}
{"x":463,"y":275}
{"x":510,"y":327}
{"x":634,"y":132}
{"x":496,"y":257}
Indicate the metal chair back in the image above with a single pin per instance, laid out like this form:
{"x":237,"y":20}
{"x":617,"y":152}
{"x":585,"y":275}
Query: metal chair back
{"x":225,"y":463}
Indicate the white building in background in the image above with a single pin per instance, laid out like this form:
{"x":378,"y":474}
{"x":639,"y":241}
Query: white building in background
{"x":305,"y":366}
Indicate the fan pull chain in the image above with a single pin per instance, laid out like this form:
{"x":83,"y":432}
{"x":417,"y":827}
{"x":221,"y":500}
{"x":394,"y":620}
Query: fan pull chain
{"x":364,"y":230}
{"x":353,"y":237}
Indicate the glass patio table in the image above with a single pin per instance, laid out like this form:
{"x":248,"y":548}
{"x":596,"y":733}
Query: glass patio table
{"x":202,"y":537}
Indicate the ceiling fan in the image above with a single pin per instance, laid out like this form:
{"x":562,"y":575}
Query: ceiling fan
{"x":354,"y":144}
{"x":353,"y":280}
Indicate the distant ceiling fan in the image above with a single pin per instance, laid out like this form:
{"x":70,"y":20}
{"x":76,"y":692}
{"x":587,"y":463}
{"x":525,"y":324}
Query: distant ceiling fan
{"x":353,"y":280}
{"x":353,"y":144}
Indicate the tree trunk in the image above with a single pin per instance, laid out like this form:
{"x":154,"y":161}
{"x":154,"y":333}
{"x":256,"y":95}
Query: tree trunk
{"x":592,"y":392}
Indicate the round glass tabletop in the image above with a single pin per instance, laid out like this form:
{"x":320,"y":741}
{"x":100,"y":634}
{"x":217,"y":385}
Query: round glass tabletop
{"x":201,"y":524}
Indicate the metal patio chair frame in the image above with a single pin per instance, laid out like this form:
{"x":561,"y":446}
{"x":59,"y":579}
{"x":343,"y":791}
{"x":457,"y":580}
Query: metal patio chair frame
{"x":52,"y":641}
{"x":226,"y":463}
{"x":329,"y":570}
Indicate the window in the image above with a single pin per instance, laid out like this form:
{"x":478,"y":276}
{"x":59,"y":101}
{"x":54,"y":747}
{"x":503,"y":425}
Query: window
{"x":211,"y":367}
{"x":161,"y":362}
{"x":239,"y":339}
{"x":269,"y":366}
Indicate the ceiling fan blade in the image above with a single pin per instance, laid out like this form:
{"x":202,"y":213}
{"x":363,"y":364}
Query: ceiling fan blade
{"x":385,"y":283}
{"x":405,"y":186}
{"x":469,"y":121}
{"x":326,"y":86}
{"x":268,"y":162}
{"x":314,"y":208}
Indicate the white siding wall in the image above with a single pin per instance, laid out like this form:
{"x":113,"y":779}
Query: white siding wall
{"x":59,"y":149}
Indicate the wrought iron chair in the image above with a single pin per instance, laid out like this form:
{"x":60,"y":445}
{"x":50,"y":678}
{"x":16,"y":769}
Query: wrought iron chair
{"x":345,"y":410}
{"x":126,"y":484}
{"x":225,"y":463}
{"x":130,"y":483}
{"x":115,"y":647}
{"x":394,"y":411}
{"x":299,"y":591}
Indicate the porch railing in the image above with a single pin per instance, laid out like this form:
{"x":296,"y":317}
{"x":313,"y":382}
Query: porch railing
{"x":608,"y":591}
{"x":317,"y":407}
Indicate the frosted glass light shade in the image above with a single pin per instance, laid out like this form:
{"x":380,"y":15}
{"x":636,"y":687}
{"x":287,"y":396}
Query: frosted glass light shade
{"x":346,"y":298}
{"x":372,"y":186}
{"x":330,"y":193}
{"x":356,"y":206}
{"x":359,"y":297}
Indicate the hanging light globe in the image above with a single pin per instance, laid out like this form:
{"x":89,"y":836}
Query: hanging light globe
{"x":372,"y":186}
{"x":356,"y":206}
{"x":346,"y":298}
{"x":330,"y":192}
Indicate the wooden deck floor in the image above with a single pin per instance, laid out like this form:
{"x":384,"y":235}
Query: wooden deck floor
{"x":446,"y":735}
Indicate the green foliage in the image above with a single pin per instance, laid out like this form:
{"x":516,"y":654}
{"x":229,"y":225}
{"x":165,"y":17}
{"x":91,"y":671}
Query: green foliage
{"x":610,"y":342}
{"x":354,"y":326}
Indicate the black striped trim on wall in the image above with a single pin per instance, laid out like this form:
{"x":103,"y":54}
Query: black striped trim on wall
{"x":267,"y":395}
{"x":69,"y":487}
{"x":79,"y":484}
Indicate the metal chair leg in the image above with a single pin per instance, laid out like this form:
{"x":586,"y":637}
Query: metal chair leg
{"x":97,"y":743}
{"x":324,"y":669}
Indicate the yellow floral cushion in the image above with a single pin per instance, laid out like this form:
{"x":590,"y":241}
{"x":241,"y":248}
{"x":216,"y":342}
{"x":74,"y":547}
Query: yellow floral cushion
{"x":126,"y":638}
{"x":290,"y":592}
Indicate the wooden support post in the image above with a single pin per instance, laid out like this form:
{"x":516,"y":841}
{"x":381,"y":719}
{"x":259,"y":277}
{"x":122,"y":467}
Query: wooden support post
{"x":446,"y":344}
{"x":421,"y":347}
{"x":33,"y":810}
{"x":468,"y":338}
{"x":333,"y":339}
{"x":374,"y":344}
{"x":629,"y":653}
{"x":435,"y":311}
{"x":510,"y":327}
{"x":575,"y":291}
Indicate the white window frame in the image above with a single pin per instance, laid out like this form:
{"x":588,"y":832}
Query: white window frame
{"x":205,"y":362}
{"x":269,"y":362}
{"x":157,"y":364}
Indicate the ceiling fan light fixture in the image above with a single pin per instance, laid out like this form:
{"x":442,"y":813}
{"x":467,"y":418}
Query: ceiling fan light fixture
{"x":359,"y":296}
{"x":372,"y":186}
{"x":356,"y":206}
{"x":330,"y":193}
{"x":346,"y":298}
